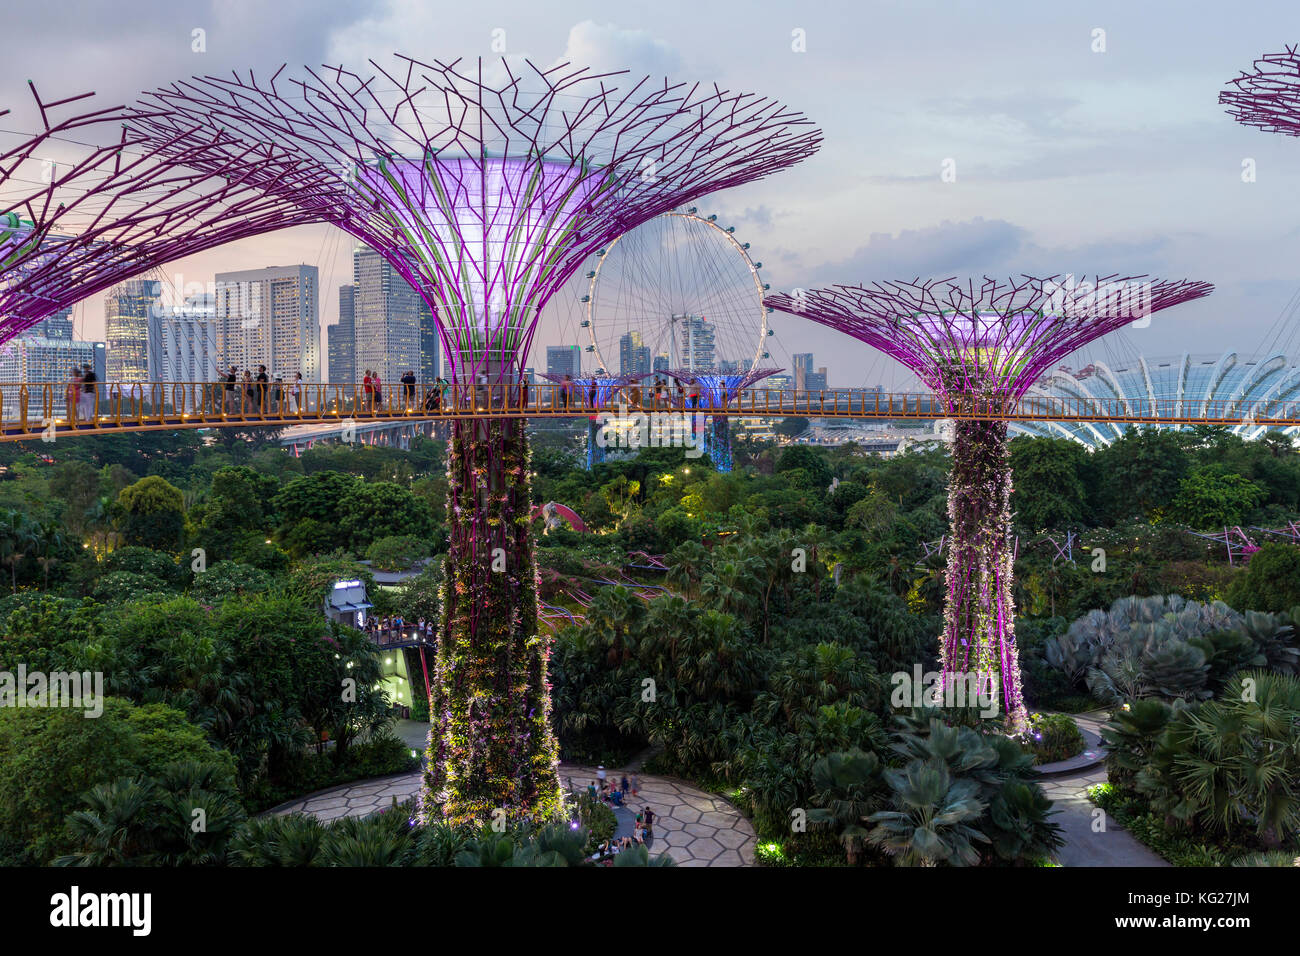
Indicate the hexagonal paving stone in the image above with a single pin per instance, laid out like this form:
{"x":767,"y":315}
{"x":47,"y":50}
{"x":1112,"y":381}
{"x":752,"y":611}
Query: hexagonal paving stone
{"x":705,"y":848}
{"x":732,"y":839}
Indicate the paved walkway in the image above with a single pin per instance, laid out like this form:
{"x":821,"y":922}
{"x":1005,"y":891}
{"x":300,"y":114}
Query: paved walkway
{"x":1077,"y":817}
{"x":693,"y":827}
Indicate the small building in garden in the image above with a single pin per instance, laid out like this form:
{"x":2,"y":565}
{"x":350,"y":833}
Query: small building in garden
{"x":347,"y":603}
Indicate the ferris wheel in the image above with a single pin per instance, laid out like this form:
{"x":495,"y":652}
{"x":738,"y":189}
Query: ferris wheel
{"x":680,"y":292}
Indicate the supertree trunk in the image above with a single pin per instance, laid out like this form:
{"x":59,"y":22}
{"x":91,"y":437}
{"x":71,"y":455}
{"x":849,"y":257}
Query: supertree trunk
{"x":979,"y":617}
{"x":595,"y":451}
{"x":718,"y":441}
{"x":491,"y":746}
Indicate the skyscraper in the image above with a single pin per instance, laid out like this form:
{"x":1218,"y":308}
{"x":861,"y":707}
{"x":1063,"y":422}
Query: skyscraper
{"x":802,"y":367}
{"x":564,"y":360}
{"x":633,"y":356}
{"x":342,"y":340}
{"x":127,"y":309}
{"x":183,"y":341}
{"x":694,"y":337}
{"x":427,"y":370}
{"x":46,"y":352}
{"x":387,"y":318}
{"x":270,"y":317}
{"x":56,"y":326}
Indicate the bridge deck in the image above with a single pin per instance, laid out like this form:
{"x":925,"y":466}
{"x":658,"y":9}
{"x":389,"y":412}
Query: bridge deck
{"x":39,"y":409}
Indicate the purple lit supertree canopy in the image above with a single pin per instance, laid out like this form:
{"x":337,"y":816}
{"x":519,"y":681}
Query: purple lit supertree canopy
{"x":486,"y":195}
{"x":982,"y":344}
{"x":79,"y":217}
{"x":1269,"y":97}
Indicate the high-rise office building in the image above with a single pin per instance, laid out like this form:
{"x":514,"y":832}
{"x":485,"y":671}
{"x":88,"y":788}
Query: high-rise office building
{"x":694,"y":335}
{"x":127,"y":309}
{"x":430,"y":348}
{"x":270,"y":317}
{"x":815,"y":381}
{"x":662,"y":362}
{"x":342,"y":340}
{"x":564,"y":360}
{"x":633,"y":355}
{"x":44,"y":353}
{"x":387,"y":318}
{"x":183,"y":342}
{"x":802,"y":368}
{"x":56,"y":326}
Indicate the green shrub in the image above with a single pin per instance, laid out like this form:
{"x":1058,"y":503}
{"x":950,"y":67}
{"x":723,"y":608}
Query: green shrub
{"x":1052,"y":737}
{"x":396,"y":552}
{"x":49,"y":757}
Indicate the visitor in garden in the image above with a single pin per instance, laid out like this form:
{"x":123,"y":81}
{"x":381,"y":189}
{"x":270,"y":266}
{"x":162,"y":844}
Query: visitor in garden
{"x":649,"y":822}
{"x":295,"y":395}
{"x":263,"y":385}
{"x":232,"y":378}
{"x":368,"y":387}
{"x":408,"y":388}
{"x":622,"y":784}
{"x":250,"y":392}
{"x":600,"y":775}
{"x":72,"y":395}
{"x":566,"y":390}
{"x":379,"y":390}
{"x":695,"y":395}
{"x":87,"y":396}
{"x":633,"y":782}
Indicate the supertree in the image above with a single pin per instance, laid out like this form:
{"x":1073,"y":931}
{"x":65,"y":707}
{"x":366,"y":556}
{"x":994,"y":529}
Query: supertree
{"x":979,"y":345}
{"x":1269,"y":97}
{"x":719,"y":390}
{"x":486,"y":195}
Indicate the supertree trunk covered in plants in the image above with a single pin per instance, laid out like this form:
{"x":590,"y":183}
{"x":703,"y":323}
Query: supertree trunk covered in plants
{"x":717,"y":442}
{"x":486,"y":196}
{"x":980,"y":345}
{"x":979,"y":616}
{"x":491,"y":745}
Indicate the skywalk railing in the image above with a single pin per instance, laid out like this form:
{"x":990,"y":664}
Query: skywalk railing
{"x":45,"y":409}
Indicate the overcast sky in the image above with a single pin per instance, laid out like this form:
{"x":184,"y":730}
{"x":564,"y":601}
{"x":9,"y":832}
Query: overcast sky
{"x":1066,"y":159}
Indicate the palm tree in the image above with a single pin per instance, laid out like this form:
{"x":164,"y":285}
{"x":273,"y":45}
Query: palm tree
{"x":18,"y":536}
{"x":52,"y":541}
{"x":934,"y":817}
{"x":687,"y":564}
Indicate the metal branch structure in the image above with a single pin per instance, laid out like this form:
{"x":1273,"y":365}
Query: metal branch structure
{"x":1267,"y":98}
{"x":719,"y":390}
{"x":486,"y":194}
{"x":984,"y":341}
{"x":71,"y":228}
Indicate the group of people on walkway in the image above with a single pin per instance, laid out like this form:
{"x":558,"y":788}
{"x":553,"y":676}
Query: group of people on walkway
{"x":81,"y":395}
{"x":396,"y":624}
{"x":256,"y":394}
{"x":660,"y":394}
{"x":615,"y":793}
